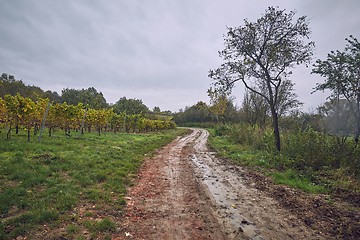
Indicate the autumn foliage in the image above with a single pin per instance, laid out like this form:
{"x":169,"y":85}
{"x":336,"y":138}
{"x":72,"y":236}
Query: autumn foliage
{"x":18,"y":112}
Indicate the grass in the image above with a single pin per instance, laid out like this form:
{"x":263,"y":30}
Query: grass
{"x":295,"y":180}
{"x":274,"y":166}
{"x":241,"y":154}
{"x":46,"y":182}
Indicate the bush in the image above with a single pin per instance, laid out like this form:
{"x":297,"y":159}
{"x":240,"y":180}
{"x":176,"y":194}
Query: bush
{"x":314,"y":151}
{"x":306,"y":150}
{"x":242,"y":133}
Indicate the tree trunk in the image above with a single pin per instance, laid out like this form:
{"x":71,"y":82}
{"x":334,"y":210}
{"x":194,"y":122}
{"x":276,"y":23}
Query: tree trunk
{"x":357,"y":134}
{"x":28,"y":134}
{"x":8,"y":134}
{"x":36,"y":129}
{"x":276,"y":128}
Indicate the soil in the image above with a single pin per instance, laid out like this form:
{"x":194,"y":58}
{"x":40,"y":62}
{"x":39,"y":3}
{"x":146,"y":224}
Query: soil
{"x":186,"y":192}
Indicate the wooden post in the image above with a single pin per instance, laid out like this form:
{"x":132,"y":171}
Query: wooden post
{"x":83,"y":122}
{"x":43,"y":122}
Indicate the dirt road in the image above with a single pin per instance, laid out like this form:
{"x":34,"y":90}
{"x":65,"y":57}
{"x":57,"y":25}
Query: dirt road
{"x":185,"y":192}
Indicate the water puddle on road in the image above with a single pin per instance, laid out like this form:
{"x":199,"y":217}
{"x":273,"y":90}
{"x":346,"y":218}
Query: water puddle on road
{"x":220,"y":185}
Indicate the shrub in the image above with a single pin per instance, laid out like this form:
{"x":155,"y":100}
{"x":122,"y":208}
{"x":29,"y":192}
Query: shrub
{"x":304,"y":150}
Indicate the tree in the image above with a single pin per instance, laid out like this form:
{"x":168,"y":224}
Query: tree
{"x":52,"y":96}
{"x":255,"y":109}
{"x":89,"y":97}
{"x":156,"y":109}
{"x":218,"y":104}
{"x":200,"y":112}
{"x":337,"y":117}
{"x":130,"y":106}
{"x":9,"y":85}
{"x":70,"y":96}
{"x":261,"y":54}
{"x":342,"y":73}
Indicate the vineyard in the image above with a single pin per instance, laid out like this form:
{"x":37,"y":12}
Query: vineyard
{"x":22,"y":112}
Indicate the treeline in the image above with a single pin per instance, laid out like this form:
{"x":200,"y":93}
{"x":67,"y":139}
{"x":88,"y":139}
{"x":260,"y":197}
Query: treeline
{"x":22,"y":112}
{"x":201,"y":113}
{"x":89,"y":97}
{"x":333,"y":117}
{"x":10,"y":85}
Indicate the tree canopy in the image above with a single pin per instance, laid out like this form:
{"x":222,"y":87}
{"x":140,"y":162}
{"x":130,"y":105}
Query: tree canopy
{"x":89,"y":97}
{"x":261,"y":55}
{"x":341,"y":70}
{"x":10,"y":85}
{"x":130,"y":106}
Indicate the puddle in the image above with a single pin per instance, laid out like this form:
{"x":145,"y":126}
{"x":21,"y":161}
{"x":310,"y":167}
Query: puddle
{"x":220,"y":187}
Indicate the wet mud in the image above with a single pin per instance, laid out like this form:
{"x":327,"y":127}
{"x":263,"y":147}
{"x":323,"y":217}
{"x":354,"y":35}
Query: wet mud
{"x":186,"y":192}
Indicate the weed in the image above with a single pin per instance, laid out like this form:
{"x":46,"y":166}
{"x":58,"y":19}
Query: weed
{"x":72,"y":229}
{"x":103,"y":225}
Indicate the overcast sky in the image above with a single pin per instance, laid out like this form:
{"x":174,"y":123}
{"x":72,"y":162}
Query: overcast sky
{"x":159,"y":51}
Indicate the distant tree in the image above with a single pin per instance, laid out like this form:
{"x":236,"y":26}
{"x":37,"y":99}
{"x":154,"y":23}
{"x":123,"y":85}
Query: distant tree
{"x":7,"y":77}
{"x":232,"y":113}
{"x":255,"y":109}
{"x":219,"y":104}
{"x":89,"y":97}
{"x":261,"y":54}
{"x":312,"y":120}
{"x":70,"y":96}
{"x":167,"y":112}
{"x":156,"y":110}
{"x":337,"y":117}
{"x":130,"y":106}
{"x":342,"y":73}
{"x":9,"y":85}
{"x":287,"y":99}
{"x":53,"y":96}
{"x":222,"y":107}
{"x":200,"y":112}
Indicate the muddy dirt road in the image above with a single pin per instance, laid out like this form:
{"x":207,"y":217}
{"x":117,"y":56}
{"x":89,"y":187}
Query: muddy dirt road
{"x":185,"y":192}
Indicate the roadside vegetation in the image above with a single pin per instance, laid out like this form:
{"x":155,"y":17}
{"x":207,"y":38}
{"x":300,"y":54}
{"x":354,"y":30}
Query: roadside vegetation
{"x":66,"y":182}
{"x":312,"y":161}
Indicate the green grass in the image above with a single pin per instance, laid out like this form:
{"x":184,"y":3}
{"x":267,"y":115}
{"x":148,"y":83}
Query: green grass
{"x":294,"y":179}
{"x":103,"y":225}
{"x":43,"y":182}
{"x":240,"y":154}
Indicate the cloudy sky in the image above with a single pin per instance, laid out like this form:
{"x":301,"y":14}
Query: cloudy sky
{"x":159,"y":51}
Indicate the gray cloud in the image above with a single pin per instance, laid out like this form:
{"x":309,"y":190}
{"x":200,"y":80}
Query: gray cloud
{"x":159,"y":51}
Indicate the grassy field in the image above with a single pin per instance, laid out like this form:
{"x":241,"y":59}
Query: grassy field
{"x":69,"y":183}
